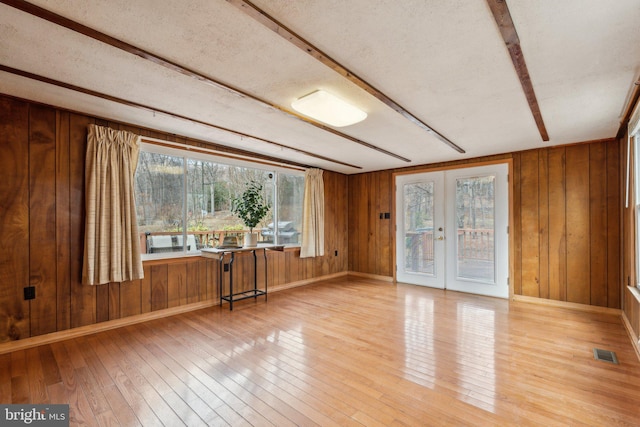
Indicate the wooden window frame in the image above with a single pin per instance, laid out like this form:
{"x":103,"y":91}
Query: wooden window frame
{"x":187,"y":153}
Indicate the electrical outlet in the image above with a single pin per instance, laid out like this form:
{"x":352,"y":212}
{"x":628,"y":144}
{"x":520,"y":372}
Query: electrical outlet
{"x":29,"y":292}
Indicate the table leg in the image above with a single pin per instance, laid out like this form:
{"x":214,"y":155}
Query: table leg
{"x":231,"y":281}
{"x":264,"y":253}
{"x":255,"y":275}
{"x":221,"y":277}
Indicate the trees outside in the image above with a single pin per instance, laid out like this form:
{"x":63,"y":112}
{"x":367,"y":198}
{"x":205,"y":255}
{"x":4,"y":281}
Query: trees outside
{"x":165,"y":201}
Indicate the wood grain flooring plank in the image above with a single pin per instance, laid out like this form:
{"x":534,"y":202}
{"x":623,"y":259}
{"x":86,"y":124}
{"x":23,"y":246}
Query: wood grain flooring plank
{"x":5,"y":377}
{"x":73,"y":351}
{"x":140,"y":383}
{"x":106,"y":419}
{"x":262,"y":380}
{"x":348,"y":351}
{"x":37,"y":386}
{"x":192,"y":389}
{"x":92,"y":391}
{"x":109,"y":357}
{"x":219,"y":384}
{"x":68,"y":378}
{"x":98,"y":371}
{"x":49,"y":364}
{"x":123,"y":412}
{"x":80,"y":412}
{"x":20,"y":392}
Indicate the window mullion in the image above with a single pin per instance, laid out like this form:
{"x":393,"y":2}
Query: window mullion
{"x":185,"y":202}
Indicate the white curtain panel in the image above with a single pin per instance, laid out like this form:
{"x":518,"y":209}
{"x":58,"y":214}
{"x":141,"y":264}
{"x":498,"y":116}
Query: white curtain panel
{"x":313,"y":215}
{"x":112,"y":243}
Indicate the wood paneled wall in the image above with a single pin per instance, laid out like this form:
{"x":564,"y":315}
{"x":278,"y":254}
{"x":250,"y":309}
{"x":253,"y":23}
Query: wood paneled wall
{"x":42,"y":157}
{"x":370,"y":236}
{"x":566,"y":209}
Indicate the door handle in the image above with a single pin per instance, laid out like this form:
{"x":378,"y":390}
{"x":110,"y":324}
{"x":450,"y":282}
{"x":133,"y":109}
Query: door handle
{"x":440,"y":237}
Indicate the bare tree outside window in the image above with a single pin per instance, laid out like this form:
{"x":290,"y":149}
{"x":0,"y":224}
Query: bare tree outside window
{"x":184,"y":204}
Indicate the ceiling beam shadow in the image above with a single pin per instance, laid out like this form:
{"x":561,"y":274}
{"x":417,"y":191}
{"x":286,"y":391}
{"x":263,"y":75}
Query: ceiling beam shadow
{"x":134,"y":50}
{"x":501,"y":14}
{"x":274,"y":25}
{"x":176,"y":116}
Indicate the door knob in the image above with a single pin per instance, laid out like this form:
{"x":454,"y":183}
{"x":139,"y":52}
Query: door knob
{"x":440,"y":237}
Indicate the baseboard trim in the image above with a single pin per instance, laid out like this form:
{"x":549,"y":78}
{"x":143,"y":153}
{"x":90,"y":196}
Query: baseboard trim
{"x":99,"y":327}
{"x":26,"y":343}
{"x":306,"y":282}
{"x":565,"y":304}
{"x":635,"y":341}
{"x":371,"y":276}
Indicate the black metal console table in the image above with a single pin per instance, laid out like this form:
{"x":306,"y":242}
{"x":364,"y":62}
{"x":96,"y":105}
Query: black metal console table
{"x":220,"y":253}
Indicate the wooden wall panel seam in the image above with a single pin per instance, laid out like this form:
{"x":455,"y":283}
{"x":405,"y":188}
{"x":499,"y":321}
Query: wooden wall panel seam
{"x":552,"y":229}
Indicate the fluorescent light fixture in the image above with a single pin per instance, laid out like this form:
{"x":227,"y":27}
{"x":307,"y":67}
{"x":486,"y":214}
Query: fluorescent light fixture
{"x":329,"y":109}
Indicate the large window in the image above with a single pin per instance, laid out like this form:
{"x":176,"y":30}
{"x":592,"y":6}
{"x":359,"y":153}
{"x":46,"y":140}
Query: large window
{"x":183,"y":201}
{"x":636,"y":201}
{"x":634,"y":138}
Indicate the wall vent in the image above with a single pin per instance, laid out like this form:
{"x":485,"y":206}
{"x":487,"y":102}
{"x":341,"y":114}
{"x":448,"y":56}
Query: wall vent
{"x":605,"y":355}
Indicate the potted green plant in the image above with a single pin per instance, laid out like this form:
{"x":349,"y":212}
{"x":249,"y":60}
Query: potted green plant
{"x":252,"y":208}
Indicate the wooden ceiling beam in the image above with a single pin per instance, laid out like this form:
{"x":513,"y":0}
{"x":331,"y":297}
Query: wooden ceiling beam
{"x":501,"y":14}
{"x":134,"y":50}
{"x":277,"y":27}
{"x":175,"y":116}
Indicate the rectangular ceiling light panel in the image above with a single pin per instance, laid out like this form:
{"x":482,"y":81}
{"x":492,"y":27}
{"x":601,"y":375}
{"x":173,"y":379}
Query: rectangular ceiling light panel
{"x":329,"y":109}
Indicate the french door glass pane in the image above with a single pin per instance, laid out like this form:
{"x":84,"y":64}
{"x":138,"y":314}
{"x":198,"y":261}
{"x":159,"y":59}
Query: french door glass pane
{"x":418,"y":227}
{"x":475,"y":214}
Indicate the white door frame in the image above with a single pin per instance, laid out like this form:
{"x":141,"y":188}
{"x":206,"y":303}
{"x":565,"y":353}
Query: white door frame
{"x":435,"y":279}
{"x":504,"y":265}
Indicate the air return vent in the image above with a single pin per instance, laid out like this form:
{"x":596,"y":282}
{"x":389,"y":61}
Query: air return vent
{"x":605,"y":355}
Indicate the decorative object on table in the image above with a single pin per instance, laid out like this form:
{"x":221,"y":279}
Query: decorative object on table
{"x":229,"y":242}
{"x":252,"y":208}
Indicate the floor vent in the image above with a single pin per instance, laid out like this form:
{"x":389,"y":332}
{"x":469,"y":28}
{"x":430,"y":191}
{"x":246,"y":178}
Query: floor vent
{"x":605,"y":355}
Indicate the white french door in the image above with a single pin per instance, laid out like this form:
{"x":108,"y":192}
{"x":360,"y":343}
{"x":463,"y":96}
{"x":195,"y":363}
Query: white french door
{"x":452,"y":229}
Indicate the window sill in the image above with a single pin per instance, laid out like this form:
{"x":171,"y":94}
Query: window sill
{"x":177,"y":257}
{"x":169,"y":257}
{"x":635,"y":292}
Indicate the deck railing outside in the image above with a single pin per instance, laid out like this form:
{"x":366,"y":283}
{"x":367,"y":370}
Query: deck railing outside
{"x":473,"y":244}
{"x":199,"y":239}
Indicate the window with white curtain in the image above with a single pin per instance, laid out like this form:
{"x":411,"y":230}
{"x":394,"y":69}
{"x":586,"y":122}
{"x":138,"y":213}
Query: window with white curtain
{"x":183,"y":201}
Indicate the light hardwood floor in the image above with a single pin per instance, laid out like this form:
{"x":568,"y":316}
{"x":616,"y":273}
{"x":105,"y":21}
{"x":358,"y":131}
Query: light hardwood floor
{"x":343,"y":352}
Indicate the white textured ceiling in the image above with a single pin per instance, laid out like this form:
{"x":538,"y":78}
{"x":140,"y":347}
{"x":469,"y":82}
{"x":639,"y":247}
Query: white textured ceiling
{"x":444,"y":61}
